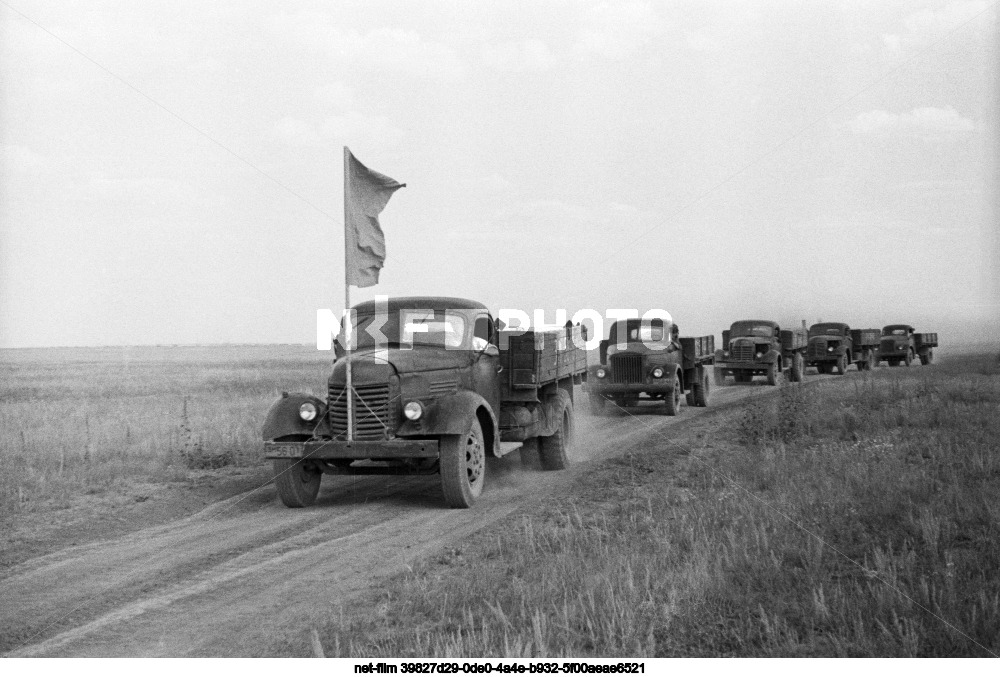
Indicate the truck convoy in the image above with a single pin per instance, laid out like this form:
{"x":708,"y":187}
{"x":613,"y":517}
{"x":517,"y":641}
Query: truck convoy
{"x":436,"y":388}
{"x":646,"y":358}
{"x":900,"y":344}
{"x":834,"y":345}
{"x":752,"y":347}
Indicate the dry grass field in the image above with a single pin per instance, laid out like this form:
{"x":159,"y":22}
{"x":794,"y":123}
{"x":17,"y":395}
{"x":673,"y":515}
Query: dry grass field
{"x":78,"y":422}
{"x":847,"y":517}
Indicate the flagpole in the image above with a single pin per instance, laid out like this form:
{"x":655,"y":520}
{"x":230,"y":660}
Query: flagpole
{"x":348,"y":328}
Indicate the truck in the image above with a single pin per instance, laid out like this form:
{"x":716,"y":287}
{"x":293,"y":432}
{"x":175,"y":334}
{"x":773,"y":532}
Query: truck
{"x":755,"y":347}
{"x":835,"y":346}
{"x":901,"y":343}
{"x":437,"y":387}
{"x":649,"y":360}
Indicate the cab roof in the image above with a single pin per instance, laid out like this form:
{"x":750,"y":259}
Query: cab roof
{"x":890,"y":327}
{"x":418,"y":303}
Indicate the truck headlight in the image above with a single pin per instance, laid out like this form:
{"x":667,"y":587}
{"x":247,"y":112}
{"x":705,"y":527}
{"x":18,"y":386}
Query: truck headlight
{"x":413,"y":410}
{"x":830,"y":349}
{"x":760,"y":355}
{"x":657,"y":373}
{"x":601,"y":373}
{"x":307,"y":411}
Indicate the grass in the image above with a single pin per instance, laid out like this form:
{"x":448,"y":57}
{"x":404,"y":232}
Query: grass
{"x":88,"y":421}
{"x":849,"y":517}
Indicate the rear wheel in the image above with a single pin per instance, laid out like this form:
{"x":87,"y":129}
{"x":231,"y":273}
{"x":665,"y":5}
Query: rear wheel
{"x":297,"y":483}
{"x":673,"y":398}
{"x":798,"y":368}
{"x":553,"y":449}
{"x":719,"y":376}
{"x":463,"y":467}
{"x":701,"y":390}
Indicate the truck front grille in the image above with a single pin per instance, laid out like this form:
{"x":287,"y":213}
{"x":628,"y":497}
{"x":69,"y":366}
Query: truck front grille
{"x":374,"y":413}
{"x":742,"y":351}
{"x":626,"y":369}
{"x":887,"y":346}
{"x":817,"y":348}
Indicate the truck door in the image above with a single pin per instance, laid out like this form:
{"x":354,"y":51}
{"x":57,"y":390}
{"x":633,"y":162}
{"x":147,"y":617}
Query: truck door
{"x":485,"y":375}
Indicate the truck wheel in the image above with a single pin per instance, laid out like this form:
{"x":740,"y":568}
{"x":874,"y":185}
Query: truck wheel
{"x":798,"y":368}
{"x":552,"y":449}
{"x":842,"y":365}
{"x":773,"y":374}
{"x":908,"y":360}
{"x":463,"y":467}
{"x":673,"y":398}
{"x":297,"y":483}
{"x":928,"y":357}
{"x":597,"y":404}
{"x":701,"y":390}
{"x":720,"y":377}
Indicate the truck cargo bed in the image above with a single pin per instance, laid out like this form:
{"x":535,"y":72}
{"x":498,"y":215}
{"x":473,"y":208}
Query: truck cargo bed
{"x":794,"y":339}
{"x":697,"y":350}
{"x":925,"y":340}
{"x":535,"y":358}
{"x":865,"y":337}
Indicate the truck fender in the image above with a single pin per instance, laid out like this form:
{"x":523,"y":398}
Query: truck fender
{"x":453,"y":415}
{"x":283,"y":418}
{"x":772,"y":356}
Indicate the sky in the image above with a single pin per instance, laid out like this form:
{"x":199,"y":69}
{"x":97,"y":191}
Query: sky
{"x":172,"y":172}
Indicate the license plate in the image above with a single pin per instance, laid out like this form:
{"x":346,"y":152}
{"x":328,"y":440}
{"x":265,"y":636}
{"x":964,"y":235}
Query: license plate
{"x":285,"y":450}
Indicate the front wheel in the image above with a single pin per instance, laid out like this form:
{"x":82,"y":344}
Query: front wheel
{"x":842,"y":365}
{"x":297,"y":483}
{"x":673,"y":398}
{"x":463,"y":467}
{"x":908,"y":360}
{"x":773,"y":374}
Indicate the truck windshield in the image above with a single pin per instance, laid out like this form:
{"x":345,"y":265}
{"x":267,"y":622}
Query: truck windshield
{"x":751,"y":329}
{"x":890,"y":331}
{"x":826,"y":330}
{"x":440,"y":328}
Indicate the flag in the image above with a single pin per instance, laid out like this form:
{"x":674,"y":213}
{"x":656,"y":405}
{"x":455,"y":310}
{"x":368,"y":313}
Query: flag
{"x":366,"y":193}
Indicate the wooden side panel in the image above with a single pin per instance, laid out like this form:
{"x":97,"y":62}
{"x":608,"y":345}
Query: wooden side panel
{"x":535,"y":358}
{"x":926,"y":340}
{"x":865,"y":337}
{"x":697,"y":348}
{"x":793,"y":339}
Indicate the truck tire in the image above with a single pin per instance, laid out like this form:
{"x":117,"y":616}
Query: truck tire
{"x":597,"y":404}
{"x":463,"y":467}
{"x":908,"y":360}
{"x":297,"y":483}
{"x":773,"y":374}
{"x":842,"y":365}
{"x":673,"y":398}
{"x":552,"y":449}
{"x":798,"y":368}
{"x":927,"y":358}
{"x":719,"y":376}
{"x":701,"y":390}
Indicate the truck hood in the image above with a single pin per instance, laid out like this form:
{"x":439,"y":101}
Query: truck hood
{"x":378,"y":364}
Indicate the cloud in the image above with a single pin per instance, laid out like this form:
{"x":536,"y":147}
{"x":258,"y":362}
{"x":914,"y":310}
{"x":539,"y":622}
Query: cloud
{"x":619,"y":30}
{"x":515,"y":57}
{"x":920,"y":121}
{"x":384,"y":49}
{"x":927,"y":25}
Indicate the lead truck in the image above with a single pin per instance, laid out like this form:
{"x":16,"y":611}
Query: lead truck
{"x":437,"y":387}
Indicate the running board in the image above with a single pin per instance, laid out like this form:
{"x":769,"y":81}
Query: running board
{"x":507,"y":447}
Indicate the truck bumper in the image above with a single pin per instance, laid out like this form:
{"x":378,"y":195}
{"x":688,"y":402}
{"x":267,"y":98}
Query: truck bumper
{"x":743,"y":366}
{"x":331,"y":450}
{"x":628,"y":388}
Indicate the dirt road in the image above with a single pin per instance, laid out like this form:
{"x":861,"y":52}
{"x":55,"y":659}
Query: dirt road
{"x":223,"y":581}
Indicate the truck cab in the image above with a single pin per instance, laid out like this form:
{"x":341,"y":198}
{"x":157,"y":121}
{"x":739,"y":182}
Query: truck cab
{"x":753,"y":347}
{"x":901,"y":344}
{"x":829,"y":347}
{"x":647,"y":359}
{"x":431,"y":385}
